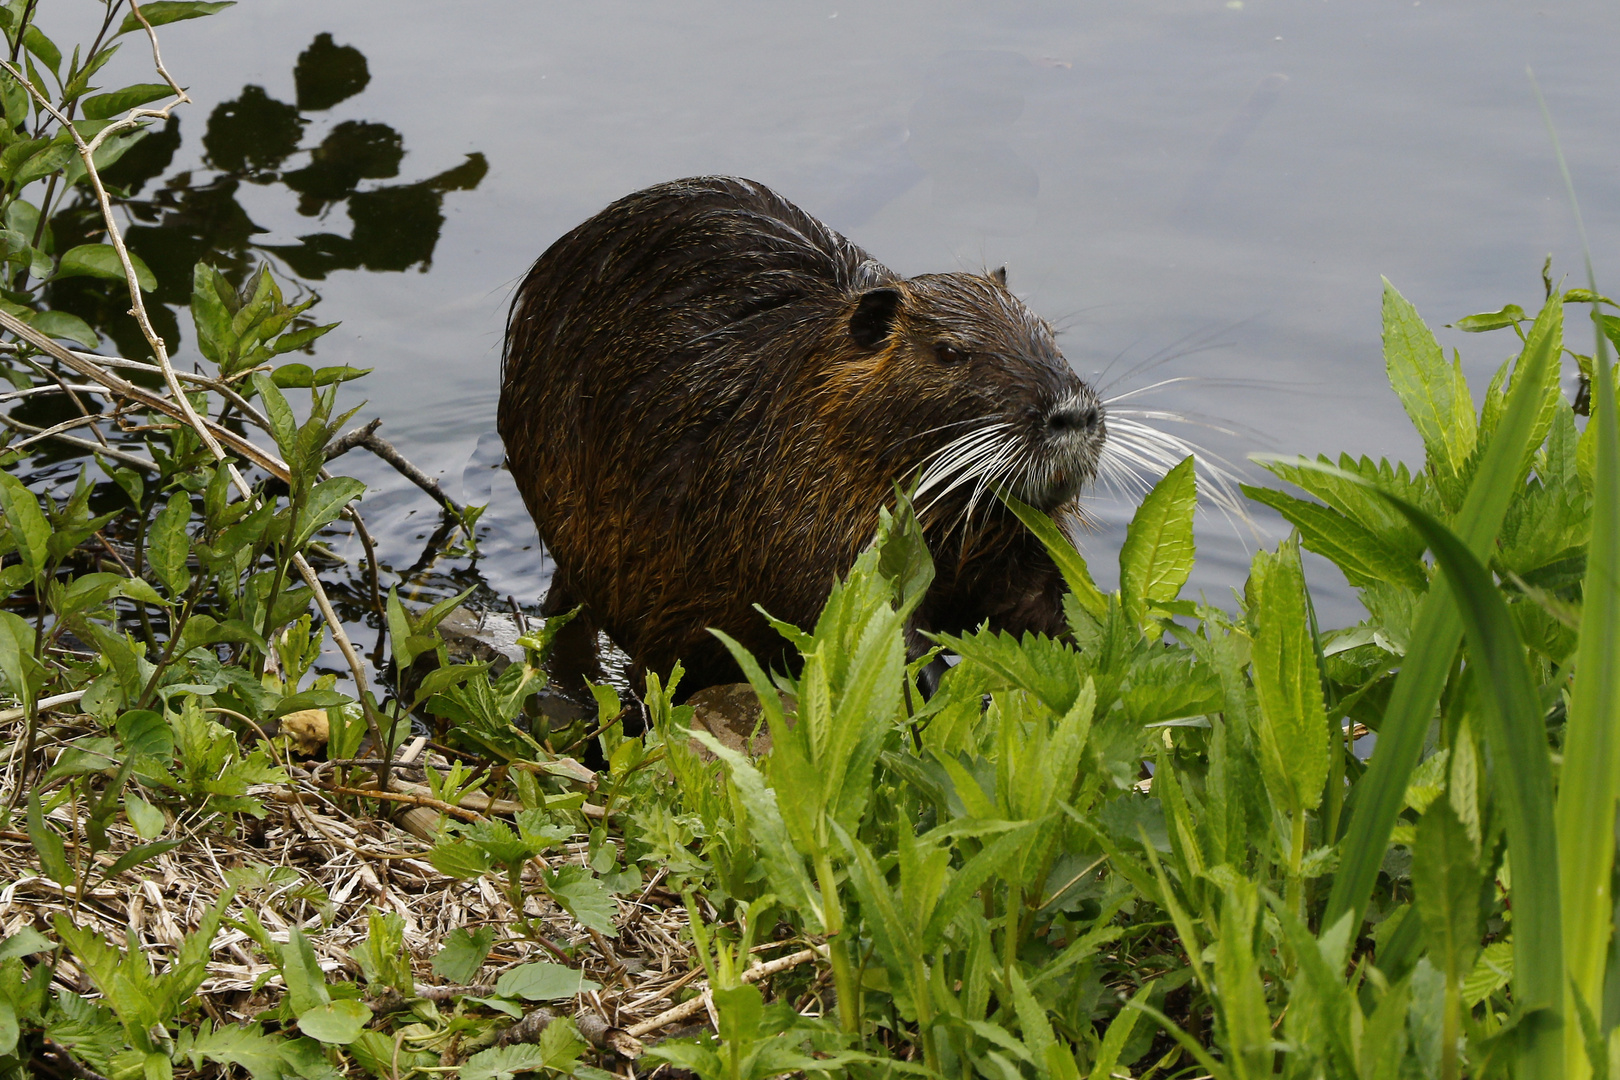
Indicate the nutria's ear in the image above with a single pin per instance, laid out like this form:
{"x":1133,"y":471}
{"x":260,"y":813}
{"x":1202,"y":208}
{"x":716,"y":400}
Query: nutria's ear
{"x":999,"y":276}
{"x":874,"y":317}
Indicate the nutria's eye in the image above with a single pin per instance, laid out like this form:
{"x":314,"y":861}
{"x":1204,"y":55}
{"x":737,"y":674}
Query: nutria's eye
{"x":949,"y":354}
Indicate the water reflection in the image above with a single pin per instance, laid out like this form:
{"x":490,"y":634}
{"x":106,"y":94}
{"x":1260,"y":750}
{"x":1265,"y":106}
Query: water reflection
{"x":196,"y":214}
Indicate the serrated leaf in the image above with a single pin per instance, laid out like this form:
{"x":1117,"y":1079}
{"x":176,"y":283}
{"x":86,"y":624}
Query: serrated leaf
{"x":1446,"y":882}
{"x":168,"y":546}
{"x":1362,"y":555}
{"x":1158,"y":551}
{"x":504,"y":1062}
{"x":544,"y":981}
{"x":1046,"y":667}
{"x":1433,"y":392}
{"x":245,"y":1046}
{"x":101,"y":261}
{"x":582,"y":895}
{"x":457,"y":859}
{"x":463,"y":953}
{"x":1287,"y":682}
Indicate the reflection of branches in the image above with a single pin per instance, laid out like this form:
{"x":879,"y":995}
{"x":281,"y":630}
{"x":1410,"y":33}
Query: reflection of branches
{"x":212,"y":435}
{"x":248,"y":140}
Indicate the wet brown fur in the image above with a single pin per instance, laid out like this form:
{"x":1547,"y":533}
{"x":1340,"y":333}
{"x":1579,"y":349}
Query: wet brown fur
{"x":696,"y":428}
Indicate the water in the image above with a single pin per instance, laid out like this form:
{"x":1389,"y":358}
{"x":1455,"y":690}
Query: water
{"x":1203,"y":190}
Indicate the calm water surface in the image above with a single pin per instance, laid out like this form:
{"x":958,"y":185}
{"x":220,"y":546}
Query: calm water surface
{"x":1199,"y":191}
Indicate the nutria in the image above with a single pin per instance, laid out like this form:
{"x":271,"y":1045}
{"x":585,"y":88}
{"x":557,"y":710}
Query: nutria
{"x":707,"y":395}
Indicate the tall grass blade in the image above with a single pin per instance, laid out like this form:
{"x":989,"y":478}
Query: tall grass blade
{"x":1518,"y":739}
{"x":1437,"y":631}
{"x":1590,"y":781}
{"x":1516,"y":734}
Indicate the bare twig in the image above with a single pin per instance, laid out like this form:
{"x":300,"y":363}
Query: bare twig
{"x":701,"y":1002}
{"x":367,"y":437}
{"x":83,"y":444}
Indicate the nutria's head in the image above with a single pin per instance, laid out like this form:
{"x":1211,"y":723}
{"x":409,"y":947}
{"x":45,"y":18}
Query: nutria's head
{"x":967,"y":389}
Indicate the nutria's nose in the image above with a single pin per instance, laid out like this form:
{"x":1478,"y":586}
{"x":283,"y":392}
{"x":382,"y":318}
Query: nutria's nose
{"x":1074,"y":416}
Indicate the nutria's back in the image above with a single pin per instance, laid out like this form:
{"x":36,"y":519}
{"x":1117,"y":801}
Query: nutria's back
{"x":707,"y":394}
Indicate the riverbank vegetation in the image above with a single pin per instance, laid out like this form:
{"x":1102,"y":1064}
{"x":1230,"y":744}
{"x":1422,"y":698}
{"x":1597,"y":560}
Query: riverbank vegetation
{"x":1148,"y":849}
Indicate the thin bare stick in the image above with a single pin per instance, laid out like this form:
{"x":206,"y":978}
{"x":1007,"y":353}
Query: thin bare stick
{"x":701,"y":1002}
{"x":84,"y":444}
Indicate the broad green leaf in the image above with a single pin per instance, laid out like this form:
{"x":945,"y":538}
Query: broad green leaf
{"x":336,"y":1022}
{"x":29,"y":529}
{"x":399,"y":630}
{"x":1433,"y":392}
{"x":43,"y":48}
{"x":61,"y":324}
{"x":101,"y":260}
{"x":159,"y":12}
{"x":1158,"y":551}
{"x":309,"y":699}
{"x":1492,"y":971}
{"x":283,"y":424}
{"x":462,"y":954}
{"x":210,"y":314}
{"x":323,"y":504}
{"x":48,"y":845}
{"x":306,"y":983}
{"x":506,"y":1062}
{"x":458,"y":859}
{"x":44,"y":162}
{"x":106,"y":106}
{"x":582,"y":895}
{"x":1293,"y":721}
{"x":1446,"y":880}
{"x":17,"y":662}
{"x":168,"y":546}
{"x":147,"y":820}
{"x":543,"y":981}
